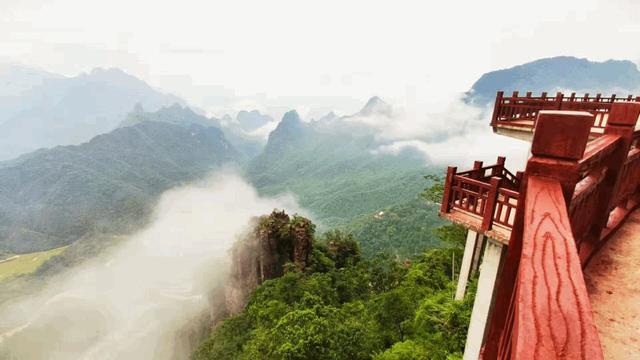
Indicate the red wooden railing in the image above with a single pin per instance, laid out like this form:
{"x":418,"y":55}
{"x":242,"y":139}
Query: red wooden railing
{"x":573,"y":195}
{"x":522,"y":111}
{"x":506,"y":205}
{"x":488,"y":195}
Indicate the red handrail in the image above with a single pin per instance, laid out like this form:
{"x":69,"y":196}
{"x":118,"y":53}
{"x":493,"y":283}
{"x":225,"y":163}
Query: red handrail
{"x":552,"y":311}
{"x":573,"y":196}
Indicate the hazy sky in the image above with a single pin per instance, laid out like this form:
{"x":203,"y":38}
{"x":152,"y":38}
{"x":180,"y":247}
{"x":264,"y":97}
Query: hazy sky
{"x":330,"y":53}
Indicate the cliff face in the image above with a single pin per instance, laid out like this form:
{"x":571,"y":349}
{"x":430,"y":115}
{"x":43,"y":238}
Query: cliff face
{"x":261,"y":255}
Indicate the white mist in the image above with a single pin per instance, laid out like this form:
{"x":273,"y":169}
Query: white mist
{"x":136,"y":301}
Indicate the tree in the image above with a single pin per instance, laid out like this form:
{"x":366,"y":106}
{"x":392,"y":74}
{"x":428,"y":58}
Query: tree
{"x":343,"y":248}
{"x":406,"y":350}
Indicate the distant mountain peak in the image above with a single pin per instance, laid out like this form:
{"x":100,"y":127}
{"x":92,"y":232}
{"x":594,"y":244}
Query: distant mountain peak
{"x":107,"y":71}
{"x":329,"y":117}
{"x":174,"y":114}
{"x":291,"y":118}
{"x":289,"y":130}
{"x":47,"y":112}
{"x":375,"y":105}
{"x":251,"y":120}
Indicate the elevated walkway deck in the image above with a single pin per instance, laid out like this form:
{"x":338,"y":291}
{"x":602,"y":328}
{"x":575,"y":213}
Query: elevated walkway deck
{"x":523,"y":130}
{"x":613,"y":283}
{"x":515,"y":115}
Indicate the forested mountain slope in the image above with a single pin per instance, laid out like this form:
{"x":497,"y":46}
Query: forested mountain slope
{"x":234,"y":131}
{"x":109,"y":184}
{"x":340,"y":306}
{"x":334,"y":170}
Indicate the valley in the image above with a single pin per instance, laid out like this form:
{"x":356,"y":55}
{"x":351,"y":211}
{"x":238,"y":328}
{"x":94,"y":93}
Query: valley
{"x":232,"y":237}
{"x":16,"y":265}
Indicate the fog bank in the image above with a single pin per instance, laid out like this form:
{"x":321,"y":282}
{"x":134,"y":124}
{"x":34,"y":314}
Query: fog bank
{"x":135,"y":301}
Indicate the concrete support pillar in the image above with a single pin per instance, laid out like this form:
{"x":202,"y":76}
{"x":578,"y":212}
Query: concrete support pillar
{"x":477,"y":254}
{"x":491,"y":263}
{"x":470,"y":261}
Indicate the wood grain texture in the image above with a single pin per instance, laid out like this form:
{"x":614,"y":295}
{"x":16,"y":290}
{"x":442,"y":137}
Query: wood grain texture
{"x":553,"y":313}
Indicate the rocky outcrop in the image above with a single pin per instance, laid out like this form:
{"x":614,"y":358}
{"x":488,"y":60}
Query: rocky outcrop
{"x":260,"y":255}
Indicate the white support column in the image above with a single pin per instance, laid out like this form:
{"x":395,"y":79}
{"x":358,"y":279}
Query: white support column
{"x":491,"y":263}
{"x":467,"y":261}
{"x":477,"y":254}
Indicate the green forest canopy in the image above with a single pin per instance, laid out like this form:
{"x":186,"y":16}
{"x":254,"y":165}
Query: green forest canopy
{"x":345,"y":307}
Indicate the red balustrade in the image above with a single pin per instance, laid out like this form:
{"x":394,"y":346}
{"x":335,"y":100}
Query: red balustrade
{"x":521,"y":112}
{"x":506,"y":206}
{"x":573,"y":195}
{"x":551,"y":314}
{"x":482,"y":197}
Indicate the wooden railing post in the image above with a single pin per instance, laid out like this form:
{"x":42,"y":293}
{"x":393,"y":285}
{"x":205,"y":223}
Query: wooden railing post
{"x":559,"y":97}
{"x":559,"y":141}
{"x":490,"y":206}
{"x":496,"y":108}
{"x":477,"y":166}
{"x":497,"y":171}
{"x":448,"y":190}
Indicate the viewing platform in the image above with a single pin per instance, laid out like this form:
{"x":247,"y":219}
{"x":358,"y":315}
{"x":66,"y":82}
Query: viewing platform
{"x":515,"y":115}
{"x":483,"y":199}
{"x":531,"y":233}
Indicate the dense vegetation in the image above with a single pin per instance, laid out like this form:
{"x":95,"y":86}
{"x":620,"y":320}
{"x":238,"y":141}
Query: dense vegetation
{"x":404,"y":229}
{"x":345,"y":307}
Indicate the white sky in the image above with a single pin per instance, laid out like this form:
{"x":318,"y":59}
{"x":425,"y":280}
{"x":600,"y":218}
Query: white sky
{"x":311,"y":54}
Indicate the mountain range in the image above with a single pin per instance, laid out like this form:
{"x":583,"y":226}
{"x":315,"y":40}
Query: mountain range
{"x":57,"y":110}
{"x":153,"y":141}
{"x":248,"y":144}
{"x":16,"y":79}
{"x":109,"y":184}
{"x":562,"y":73}
{"x":333,"y":169}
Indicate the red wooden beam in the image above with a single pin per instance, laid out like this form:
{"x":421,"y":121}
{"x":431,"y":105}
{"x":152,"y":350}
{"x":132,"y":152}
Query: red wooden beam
{"x":448,"y":182}
{"x":553,"y":317}
{"x":490,"y":206}
{"x":496,"y":107}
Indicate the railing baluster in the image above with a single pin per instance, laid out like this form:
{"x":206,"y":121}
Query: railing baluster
{"x":448,"y":189}
{"x":490,"y":206}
